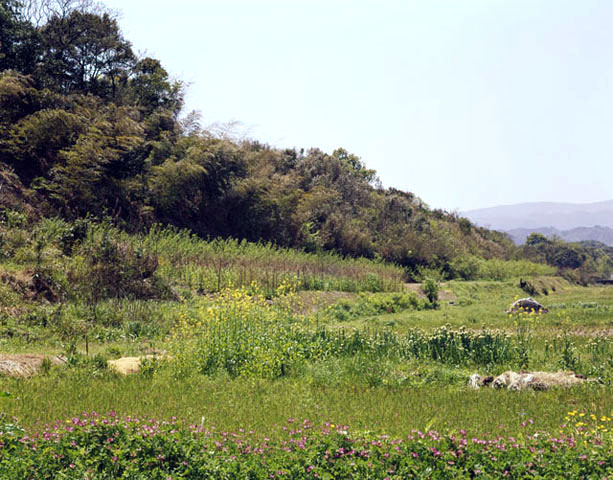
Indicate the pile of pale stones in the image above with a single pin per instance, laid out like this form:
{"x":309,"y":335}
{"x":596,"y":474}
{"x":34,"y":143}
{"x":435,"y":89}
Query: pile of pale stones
{"x":526,"y":305}
{"x":527,"y":380}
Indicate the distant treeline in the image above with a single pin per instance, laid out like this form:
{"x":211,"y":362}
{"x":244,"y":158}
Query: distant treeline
{"x":89,"y":128}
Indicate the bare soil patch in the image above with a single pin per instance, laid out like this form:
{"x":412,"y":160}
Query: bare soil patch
{"x":443,"y":295}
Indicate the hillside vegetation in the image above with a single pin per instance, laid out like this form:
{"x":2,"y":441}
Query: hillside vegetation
{"x":87,"y":128}
{"x":603,"y":235}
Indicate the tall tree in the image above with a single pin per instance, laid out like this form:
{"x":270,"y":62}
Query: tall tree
{"x":39,"y":12}
{"x":86,"y":53}
{"x":86,"y":180}
{"x":19,"y":41}
{"x":152,"y":89}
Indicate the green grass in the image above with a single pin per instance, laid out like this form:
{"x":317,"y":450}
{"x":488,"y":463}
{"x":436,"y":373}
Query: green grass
{"x":263,"y":405}
{"x":369,"y":390}
{"x":474,"y":268}
{"x":579,"y":310}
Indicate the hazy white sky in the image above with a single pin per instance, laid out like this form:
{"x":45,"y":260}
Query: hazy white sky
{"x":466,"y":103}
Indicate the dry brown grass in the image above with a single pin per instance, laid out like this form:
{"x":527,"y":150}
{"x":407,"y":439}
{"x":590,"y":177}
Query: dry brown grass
{"x":25,"y":365}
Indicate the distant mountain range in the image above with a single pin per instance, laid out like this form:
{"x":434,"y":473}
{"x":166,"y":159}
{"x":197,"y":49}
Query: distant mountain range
{"x":573,"y":222}
{"x":579,"y":234}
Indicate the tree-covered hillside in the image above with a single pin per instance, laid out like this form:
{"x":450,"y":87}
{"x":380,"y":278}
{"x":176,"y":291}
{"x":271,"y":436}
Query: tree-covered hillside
{"x":89,"y":128}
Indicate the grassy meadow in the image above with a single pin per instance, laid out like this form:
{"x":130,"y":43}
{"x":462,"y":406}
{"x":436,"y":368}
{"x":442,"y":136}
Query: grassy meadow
{"x":374,"y":384}
{"x":250,"y":335}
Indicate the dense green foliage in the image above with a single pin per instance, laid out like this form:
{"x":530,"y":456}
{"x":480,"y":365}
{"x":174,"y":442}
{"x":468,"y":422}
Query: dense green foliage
{"x":97,"y":447}
{"x":580,"y":262}
{"x":86,"y":127}
{"x":89,"y":128}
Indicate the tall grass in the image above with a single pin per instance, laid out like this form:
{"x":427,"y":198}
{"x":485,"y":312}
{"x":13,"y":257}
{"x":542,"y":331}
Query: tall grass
{"x":263,"y":404}
{"x":187,"y":260}
{"x":211,"y":266}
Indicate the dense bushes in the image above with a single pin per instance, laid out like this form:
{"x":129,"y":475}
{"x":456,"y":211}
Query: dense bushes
{"x":107,"y":268}
{"x":105,"y":139}
{"x":470,"y":267}
{"x":81,"y":260}
{"x":581,"y":262}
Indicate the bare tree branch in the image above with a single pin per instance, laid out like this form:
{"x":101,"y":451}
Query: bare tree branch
{"x":232,"y":130}
{"x":38,"y":12}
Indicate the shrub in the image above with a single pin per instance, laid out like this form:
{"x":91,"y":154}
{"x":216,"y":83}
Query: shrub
{"x":110,"y":268}
{"x":373,"y":304}
{"x":431,"y":288}
{"x":12,"y":218}
{"x":466,"y":267}
{"x":528,"y":287}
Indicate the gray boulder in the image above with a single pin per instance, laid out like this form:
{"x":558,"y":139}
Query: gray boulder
{"x":526,"y":305}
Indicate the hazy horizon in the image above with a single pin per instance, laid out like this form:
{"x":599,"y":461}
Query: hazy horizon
{"x":467,"y":104}
{"x":543,"y":202}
